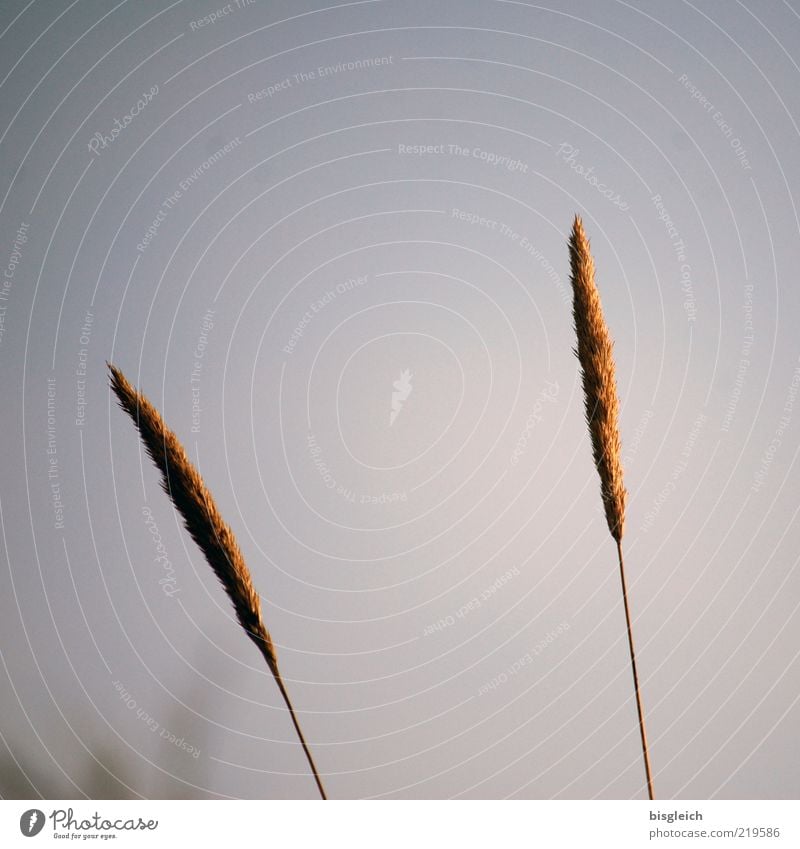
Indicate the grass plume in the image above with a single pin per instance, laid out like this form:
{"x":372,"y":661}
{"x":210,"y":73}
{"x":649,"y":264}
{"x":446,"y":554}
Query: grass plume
{"x":192,"y":499}
{"x":595,"y":352}
{"x":596,"y":356}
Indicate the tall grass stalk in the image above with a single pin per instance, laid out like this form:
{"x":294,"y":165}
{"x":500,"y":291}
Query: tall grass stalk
{"x":192,"y":499}
{"x":595,"y":354}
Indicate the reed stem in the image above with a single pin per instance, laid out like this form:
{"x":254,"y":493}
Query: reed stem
{"x":309,"y":758}
{"x":639,"y":708}
{"x":193,"y":500}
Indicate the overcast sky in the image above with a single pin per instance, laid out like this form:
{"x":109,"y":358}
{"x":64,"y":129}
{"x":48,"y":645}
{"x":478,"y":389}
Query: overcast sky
{"x":329,"y":243}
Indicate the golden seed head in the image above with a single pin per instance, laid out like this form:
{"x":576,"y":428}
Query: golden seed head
{"x":596,"y":357}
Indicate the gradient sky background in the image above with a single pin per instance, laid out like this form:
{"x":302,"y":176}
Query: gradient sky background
{"x":671,"y":128}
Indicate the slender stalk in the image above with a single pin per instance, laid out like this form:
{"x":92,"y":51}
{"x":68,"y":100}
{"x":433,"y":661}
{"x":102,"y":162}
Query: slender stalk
{"x":279,"y":682}
{"x":639,"y":708}
{"x":595,"y":353}
{"x":193,"y":500}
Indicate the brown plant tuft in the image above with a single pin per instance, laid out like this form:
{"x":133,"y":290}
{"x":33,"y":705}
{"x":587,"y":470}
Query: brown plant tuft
{"x":185,"y":487}
{"x":595,"y":353}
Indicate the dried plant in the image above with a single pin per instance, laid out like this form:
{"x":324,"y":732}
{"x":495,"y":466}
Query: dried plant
{"x":596,"y":356}
{"x":192,"y":499}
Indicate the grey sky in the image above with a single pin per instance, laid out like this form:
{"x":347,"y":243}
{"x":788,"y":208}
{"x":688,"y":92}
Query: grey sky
{"x":297,"y":204}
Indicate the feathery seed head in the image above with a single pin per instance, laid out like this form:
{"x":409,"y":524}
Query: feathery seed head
{"x":596,"y":357}
{"x":183,"y":484}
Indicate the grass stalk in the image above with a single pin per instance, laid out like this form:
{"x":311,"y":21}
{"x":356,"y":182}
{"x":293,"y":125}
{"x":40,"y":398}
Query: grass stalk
{"x":193,"y":500}
{"x":595,"y":354}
